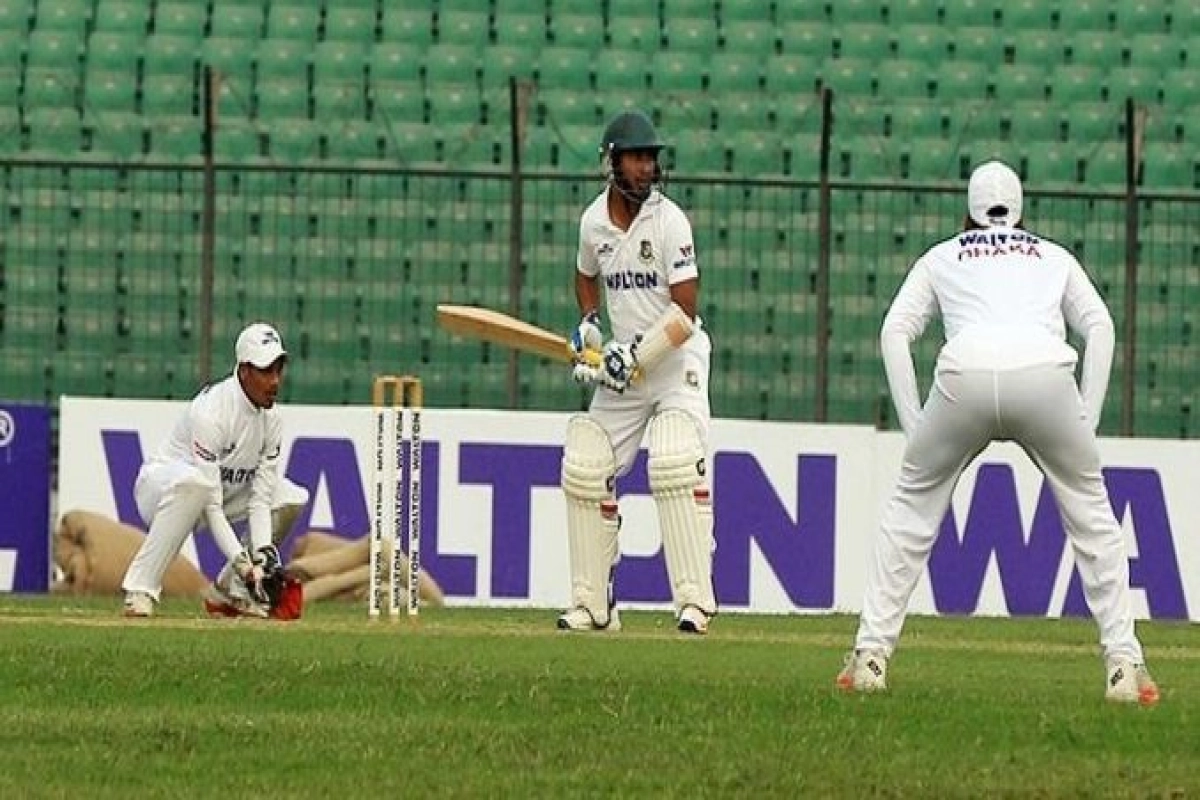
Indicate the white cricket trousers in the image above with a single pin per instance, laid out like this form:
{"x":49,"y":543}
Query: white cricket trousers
{"x":171,"y":499}
{"x":1040,"y":409}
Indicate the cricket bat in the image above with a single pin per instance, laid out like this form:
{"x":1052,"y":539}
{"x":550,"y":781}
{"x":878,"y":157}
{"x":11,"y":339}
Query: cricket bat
{"x":493,"y":326}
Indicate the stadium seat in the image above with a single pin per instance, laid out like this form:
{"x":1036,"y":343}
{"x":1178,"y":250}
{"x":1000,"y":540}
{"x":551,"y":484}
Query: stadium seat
{"x":281,"y":58}
{"x":281,"y":98}
{"x":930,"y":44}
{"x":115,"y":136}
{"x":957,"y":80}
{"x":396,"y":62}
{"x":870,"y":42}
{"x":454,"y":106}
{"x":1169,"y":167}
{"x":339,"y":100}
{"x":1051,"y":166}
{"x":559,"y":107}
{"x":339,"y":62}
{"x":788,"y":74}
{"x":299,"y":22}
{"x":858,"y":12}
{"x":676,"y":71}
{"x":122,"y":16}
{"x":734,"y":73}
{"x":168,"y":95}
{"x":1076,"y":83}
{"x":913,"y":119}
{"x":1139,"y":83}
{"x":1012,"y":83}
{"x":110,"y":92}
{"x":500,"y":63}
{"x":463,"y":29}
{"x":1094,"y":48}
{"x":167,"y":53}
{"x":397,"y":101}
{"x":356,"y":25}
{"x":1181,"y":89}
{"x":451,"y":66}
{"x":756,"y":37}
{"x":354,"y":141}
{"x":788,"y":13}
{"x":1023,"y":17}
{"x":1030,"y":122}
{"x":1104,"y":166}
{"x":1084,"y":15}
{"x":930,"y":159}
{"x":181,"y":18}
{"x":1140,"y":17}
{"x":1157,"y":51}
{"x":54,"y":50}
{"x":849,"y":77}
{"x":69,"y":16}
{"x":521,"y":30}
{"x":582,"y":28}
{"x":691,"y":34}
{"x":979,"y":44}
{"x":798,"y":114}
{"x":54,"y":132}
{"x":756,"y":155}
{"x":237,"y":19}
{"x":565,"y":68}
{"x":50,"y":89}
{"x":1038,"y":48}
{"x":806,"y":39}
{"x":115,"y":52}
{"x":742,"y":112}
{"x":399,"y":23}
{"x":638,"y":32}
{"x":970,"y":14}
{"x":233,"y":59}
{"x":621,"y":71}
{"x":904,"y":79}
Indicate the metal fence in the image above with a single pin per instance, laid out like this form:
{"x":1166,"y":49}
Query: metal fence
{"x":104,"y":286}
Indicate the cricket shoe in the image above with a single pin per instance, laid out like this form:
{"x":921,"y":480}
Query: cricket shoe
{"x":218,"y":603}
{"x":1130,"y":683}
{"x":138,"y":605}
{"x":581,"y":620}
{"x":864,"y":671}
{"x":693,"y":620}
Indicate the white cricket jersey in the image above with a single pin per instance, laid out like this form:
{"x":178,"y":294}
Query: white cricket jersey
{"x":1006,"y":298}
{"x":234,"y":442}
{"x":637,"y":267}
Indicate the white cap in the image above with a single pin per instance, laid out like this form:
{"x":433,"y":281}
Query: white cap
{"x":994,"y":195}
{"x":259,"y":344}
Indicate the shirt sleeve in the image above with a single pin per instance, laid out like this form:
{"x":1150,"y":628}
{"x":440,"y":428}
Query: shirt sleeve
{"x":912,"y":308}
{"x":263,"y":487}
{"x":585,"y":257}
{"x":679,"y":248}
{"x":207,"y":444}
{"x":1086,"y":315}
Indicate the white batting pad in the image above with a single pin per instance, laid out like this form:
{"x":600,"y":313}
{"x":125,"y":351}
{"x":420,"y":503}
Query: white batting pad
{"x":678,"y":470}
{"x":588,"y":473}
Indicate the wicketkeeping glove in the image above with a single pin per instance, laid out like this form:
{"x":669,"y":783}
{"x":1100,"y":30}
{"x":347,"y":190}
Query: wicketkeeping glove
{"x":252,"y":575}
{"x":587,"y":336}
{"x":620,"y":362}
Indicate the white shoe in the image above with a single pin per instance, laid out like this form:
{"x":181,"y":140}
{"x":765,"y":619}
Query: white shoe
{"x":864,"y":671}
{"x":693,"y":620}
{"x":218,"y":603}
{"x":580,"y":619}
{"x":1130,"y":683}
{"x":138,"y":604}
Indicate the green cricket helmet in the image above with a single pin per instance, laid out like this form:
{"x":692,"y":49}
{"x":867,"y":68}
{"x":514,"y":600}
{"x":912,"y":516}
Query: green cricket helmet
{"x":630,"y":131}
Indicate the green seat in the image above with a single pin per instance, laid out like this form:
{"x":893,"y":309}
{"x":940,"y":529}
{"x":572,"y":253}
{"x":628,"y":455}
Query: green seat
{"x":1104,"y":166}
{"x":115,"y":136}
{"x":168,"y":95}
{"x":1096,"y":48}
{"x":692,"y":34}
{"x":1139,"y":83}
{"x":54,"y":50}
{"x":862,"y":40}
{"x":356,"y":25}
{"x":790,"y":74}
{"x":232,"y":58}
{"x":115,"y":52}
{"x":299,"y":22}
{"x":1037,"y":48}
{"x":355,"y":142}
{"x":396,"y":62}
{"x":622,"y":71}
{"x":1141,"y":17}
{"x":849,"y":77}
{"x":451,"y":65}
{"x":754,"y":154}
{"x":857,"y":12}
{"x":755,"y":36}
{"x":110,"y":91}
{"x":970,"y":14}
{"x":282,"y":58}
{"x":397,"y":101}
{"x":339,"y":61}
{"x":54,"y":132}
{"x":1012,"y":83}
{"x":339,"y":101}
{"x":1084,"y":15}
{"x":237,"y":141}
{"x":637,"y":31}
{"x":176,"y":139}
{"x":1076,"y":83}
{"x":734,"y":73}
{"x":237,"y":19}
{"x":916,"y":119}
{"x":122,"y":16}
{"x":1181,"y":89}
{"x":1158,"y":51}
{"x":738,"y":112}
{"x":677,"y":71}
{"x":557,"y":107}
{"x":407,"y":25}
{"x":51,"y":89}
{"x":1169,"y":167}
{"x":521,"y":30}
{"x":1029,"y":122}
{"x":902,"y":79}
{"x":463,"y":28}
{"x":16,"y":16}
{"x":914,"y":12}
{"x":577,"y":29}
{"x":170,"y":53}
{"x":180,"y":18}
{"x":1051,"y":166}
{"x":500,"y":63}
{"x":930,"y":158}
{"x":293,"y":141}
{"x":930,"y":44}
{"x":1090,"y":122}
{"x":454,"y":105}
{"x":957,"y":80}
{"x":281,"y":98}
{"x":806,"y":38}
{"x":565,"y":68}
{"x":788,"y":13}
{"x":69,"y":16}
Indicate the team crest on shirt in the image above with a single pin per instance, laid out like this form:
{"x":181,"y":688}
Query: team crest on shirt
{"x":646,"y":253}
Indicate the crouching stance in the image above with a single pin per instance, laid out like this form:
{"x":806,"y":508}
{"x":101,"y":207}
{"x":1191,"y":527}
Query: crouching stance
{"x":219,"y":466}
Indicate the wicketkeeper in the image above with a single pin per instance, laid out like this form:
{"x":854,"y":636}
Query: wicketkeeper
{"x":220,"y":465}
{"x":653,"y":381}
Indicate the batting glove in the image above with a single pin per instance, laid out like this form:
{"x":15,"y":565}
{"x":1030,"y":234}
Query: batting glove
{"x":252,"y":575}
{"x":587,"y":336}
{"x":585,"y":374}
{"x":620,"y":361}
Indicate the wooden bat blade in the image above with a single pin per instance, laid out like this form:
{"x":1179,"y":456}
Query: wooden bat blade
{"x":497,"y":327}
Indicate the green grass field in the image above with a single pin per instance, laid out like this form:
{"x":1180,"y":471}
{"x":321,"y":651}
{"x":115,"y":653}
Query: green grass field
{"x":491,"y":703}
